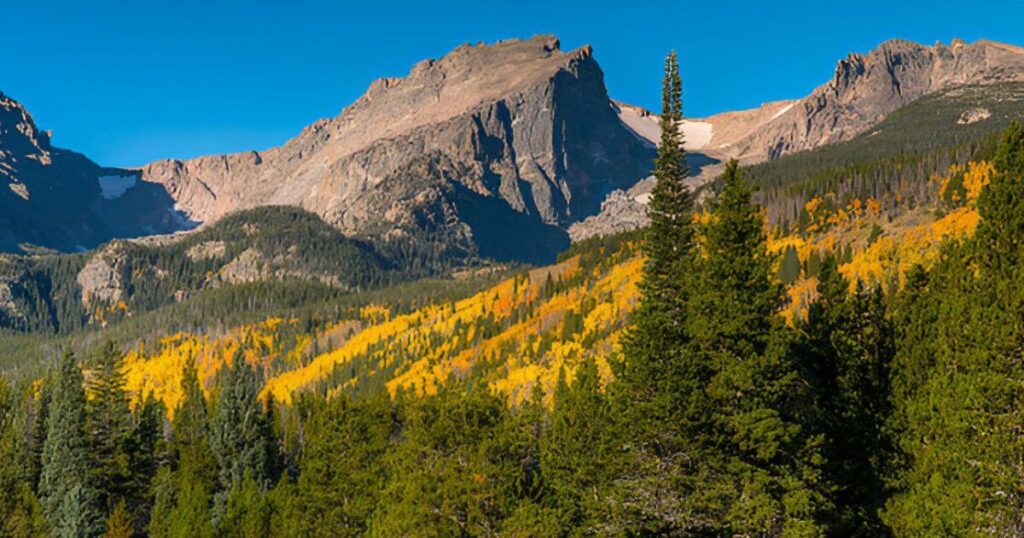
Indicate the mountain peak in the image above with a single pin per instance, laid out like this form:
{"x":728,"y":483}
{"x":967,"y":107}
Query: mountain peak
{"x":519,"y":126}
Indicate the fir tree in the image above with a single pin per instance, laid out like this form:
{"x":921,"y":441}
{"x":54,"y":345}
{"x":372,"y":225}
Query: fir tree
{"x":239,"y":434}
{"x":649,"y":373}
{"x":959,"y":419}
{"x":109,"y":426}
{"x":341,"y":497}
{"x":575,"y":455}
{"x":248,"y":512}
{"x":847,"y":348}
{"x":68,"y":499}
{"x":751,"y":463}
{"x":119,"y":523}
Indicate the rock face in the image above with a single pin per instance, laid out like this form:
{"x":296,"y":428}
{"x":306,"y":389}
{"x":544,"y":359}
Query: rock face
{"x":56,"y":199}
{"x":864,"y":89}
{"x":492,"y":150}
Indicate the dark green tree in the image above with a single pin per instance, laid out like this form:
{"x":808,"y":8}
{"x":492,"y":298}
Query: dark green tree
{"x":651,"y":371}
{"x":341,"y":496}
{"x":755,"y":457}
{"x":248,"y":511}
{"x":239,"y":435}
{"x":958,"y":420}
{"x":183,"y":493}
{"x":789,"y":267}
{"x":577,"y":452}
{"x":68,"y":499}
{"x":458,"y":471}
{"x":847,"y":348}
{"x":109,"y":426}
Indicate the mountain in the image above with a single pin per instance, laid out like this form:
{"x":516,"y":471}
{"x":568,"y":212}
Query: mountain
{"x":863,"y":91}
{"x":58,"y":199}
{"x":900,"y":99}
{"x":489,"y":151}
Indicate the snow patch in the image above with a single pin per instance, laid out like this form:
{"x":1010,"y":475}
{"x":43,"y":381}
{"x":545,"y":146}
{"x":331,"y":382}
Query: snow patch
{"x":697,"y":134}
{"x":113,"y":187}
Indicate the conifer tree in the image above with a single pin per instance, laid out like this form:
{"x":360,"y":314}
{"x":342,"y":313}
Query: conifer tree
{"x":68,"y":499}
{"x":575,"y":456}
{"x":754,"y":460}
{"x":847,"y":349}
{"x":109,"y":426}
{"x":119,"y":523}
{"x":649,"y":373}
{"x":194,"y":478}
{"x":248,"y":511}
{"x":341,"y":497}
{"x":239,"y":433}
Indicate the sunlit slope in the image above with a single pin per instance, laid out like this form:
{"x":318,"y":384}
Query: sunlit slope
{"x":523,"y":330}
{"x":530,"y":328}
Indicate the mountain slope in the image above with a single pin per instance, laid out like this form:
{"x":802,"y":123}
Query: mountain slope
{"x":57,"y":199}
{"x":864,"y":90}
{"x":902,"y":102}
{"x":490,"y":151}
{"x":63,"y":292}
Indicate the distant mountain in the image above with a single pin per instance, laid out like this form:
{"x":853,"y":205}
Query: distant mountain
{"x":490,"y":151}
{"x":863,"y":91}
{"x":901,"y":99}
{"x":53,"y":198}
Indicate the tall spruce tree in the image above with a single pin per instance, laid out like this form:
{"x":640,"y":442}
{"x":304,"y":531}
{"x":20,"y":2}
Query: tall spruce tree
{"x":68,"y":498}
{"x":847,"y":348}
{"x":183,"y":497}
{"x":576,"y":454}
{"x":649,"y":376}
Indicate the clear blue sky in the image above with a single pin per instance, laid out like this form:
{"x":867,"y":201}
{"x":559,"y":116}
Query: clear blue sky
{"x":128,"y":82}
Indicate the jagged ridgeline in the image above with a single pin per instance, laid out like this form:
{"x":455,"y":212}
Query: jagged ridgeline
{"x":896,"y":161}
{"x":284,"y":255}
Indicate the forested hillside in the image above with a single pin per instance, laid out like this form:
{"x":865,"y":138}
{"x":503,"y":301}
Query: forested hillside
{"x":852,"y":371}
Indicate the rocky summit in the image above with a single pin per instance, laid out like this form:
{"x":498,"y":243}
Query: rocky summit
{"x":864,"y":90}
{"x":491,"y":151}
{"x":51,"y":198}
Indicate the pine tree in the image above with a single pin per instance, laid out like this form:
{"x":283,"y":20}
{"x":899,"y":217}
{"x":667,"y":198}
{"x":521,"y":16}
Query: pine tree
{"x":248,"y":512}
{"x":145,"y":447}
{"x":68,"y":500}
{"x":847,"y":348}
{"x":650,"y":371}
{"x":109,"y":427}
{"x":576,"y":451}
{"x":239,"y":433}
{"x":119,"y":523}
{"x":754,"y":460}
{"x":194,"y":477}
{"x":341,"y":471}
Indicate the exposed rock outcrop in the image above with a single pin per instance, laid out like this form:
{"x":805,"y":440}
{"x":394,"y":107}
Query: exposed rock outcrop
{"x":517,"y":133}
{"x":864,"y":90}
{"x":53,"y":198}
